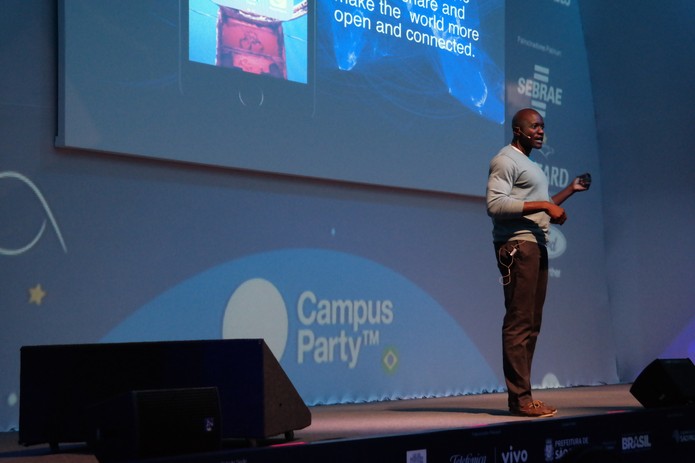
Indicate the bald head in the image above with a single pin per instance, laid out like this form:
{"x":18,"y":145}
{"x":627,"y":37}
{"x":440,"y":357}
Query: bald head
{"x":528,"y":128}
{"x":524,"y":117}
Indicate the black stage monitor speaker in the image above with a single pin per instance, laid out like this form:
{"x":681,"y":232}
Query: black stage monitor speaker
{"x":666,"y":383}
{"x":156,"y":423}
{"x":58,"y":385}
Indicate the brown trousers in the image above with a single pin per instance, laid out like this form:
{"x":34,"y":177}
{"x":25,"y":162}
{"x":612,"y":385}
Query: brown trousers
{"x":524,"y":279}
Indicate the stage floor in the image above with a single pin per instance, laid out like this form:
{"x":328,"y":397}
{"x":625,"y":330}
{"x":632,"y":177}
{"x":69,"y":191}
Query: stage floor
{"x":390,"y":418}
{"x":420,"y":415}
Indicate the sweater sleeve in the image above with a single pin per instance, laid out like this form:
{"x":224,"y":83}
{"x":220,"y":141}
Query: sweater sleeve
{"x":500,"y":184}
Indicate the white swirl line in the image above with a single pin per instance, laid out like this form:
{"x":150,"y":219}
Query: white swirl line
{"x":16,"y":252}
{"x":42,"y":200}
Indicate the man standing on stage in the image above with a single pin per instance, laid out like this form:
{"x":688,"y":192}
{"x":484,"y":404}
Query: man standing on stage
{"x":522,"y":210}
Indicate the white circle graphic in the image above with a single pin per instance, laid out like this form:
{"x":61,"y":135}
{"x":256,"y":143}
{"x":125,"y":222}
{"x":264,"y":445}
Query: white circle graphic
{"x":550,"y":381}
{"x":256,"y":310}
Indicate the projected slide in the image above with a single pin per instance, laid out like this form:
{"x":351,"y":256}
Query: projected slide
{"x":400,"y":93}
{"x":262,"y":38}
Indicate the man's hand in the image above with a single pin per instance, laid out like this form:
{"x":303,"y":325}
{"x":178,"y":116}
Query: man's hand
{"x":581,"y":183}
{"x":557,"y":214}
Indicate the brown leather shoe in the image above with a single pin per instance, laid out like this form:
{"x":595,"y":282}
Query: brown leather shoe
{"x":535,"y":409}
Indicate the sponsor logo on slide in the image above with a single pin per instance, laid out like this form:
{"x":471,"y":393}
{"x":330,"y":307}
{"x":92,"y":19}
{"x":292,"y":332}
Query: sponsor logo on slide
{"x":540,"y":90}
{"x":557,"y":244}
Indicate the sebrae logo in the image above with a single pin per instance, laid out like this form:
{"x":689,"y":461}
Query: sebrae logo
{"x":539,"y":89}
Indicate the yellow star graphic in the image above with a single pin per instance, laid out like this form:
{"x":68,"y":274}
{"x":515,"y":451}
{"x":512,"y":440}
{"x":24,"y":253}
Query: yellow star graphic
{"x":36,"y":294}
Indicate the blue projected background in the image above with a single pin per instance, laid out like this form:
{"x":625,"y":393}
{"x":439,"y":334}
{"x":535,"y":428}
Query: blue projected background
{"x":176,"y":205}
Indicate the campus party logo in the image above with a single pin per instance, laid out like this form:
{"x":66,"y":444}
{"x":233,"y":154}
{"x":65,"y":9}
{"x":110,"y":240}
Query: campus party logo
{"x":330,"y":318}
{"x":354,"y":323}
{"x":539,"y":89}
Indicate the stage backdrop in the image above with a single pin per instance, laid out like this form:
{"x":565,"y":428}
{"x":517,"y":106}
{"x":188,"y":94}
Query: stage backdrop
{"x":350,"y":235}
